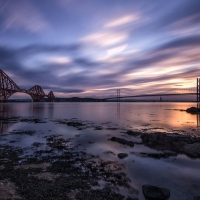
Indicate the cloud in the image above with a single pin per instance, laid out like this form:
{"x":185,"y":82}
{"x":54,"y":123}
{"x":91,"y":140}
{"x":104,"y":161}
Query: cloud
{"x":188,"y":41}
{"x":60,"y":60}
{"x":122,"y":21}
{"x":63,"y":90}
{"x":117,"y":50}
{"x":22,"y":15}
{"x":43,"y":48}
{"x":183,"y":16}
{"x":106,"y":38}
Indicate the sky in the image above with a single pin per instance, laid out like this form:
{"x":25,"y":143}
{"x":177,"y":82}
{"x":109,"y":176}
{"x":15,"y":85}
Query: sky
{"x":91,"y":48}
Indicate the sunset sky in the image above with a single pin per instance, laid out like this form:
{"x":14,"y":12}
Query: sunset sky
{"x":90,"y":48}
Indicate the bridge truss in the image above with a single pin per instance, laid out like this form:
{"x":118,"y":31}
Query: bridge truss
{"x":8,"y":87}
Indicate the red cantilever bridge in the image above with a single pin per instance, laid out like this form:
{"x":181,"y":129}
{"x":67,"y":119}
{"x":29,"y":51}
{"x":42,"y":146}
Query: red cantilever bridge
{"x":8,"y":87}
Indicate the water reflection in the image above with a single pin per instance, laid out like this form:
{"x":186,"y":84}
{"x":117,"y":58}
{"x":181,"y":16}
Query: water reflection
{"x":4,"y":126}
{"x":118,"y":111}
{"x":37,"y":109}
{"x":5,"y":111}
{"x":198,"y":116}
{"x":51,"y":110}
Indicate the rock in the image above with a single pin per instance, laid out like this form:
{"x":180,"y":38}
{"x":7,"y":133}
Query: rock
{"x":132,"y":133}
{"x":122,"y":155}
{"x":155,"y":192}
{"x":173,"y":142}
{"x":74,"y":124}
{"x":197,"y":198}
{"x":37,"y":144}
{"x":130,"y":198}
{"x":193,"y":110}
{"x":192,"y":150}
{"x":122,"y":141}
{"x":165,"y":154}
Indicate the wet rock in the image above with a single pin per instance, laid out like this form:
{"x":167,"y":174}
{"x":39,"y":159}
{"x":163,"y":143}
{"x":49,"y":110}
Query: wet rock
{"x":174,"y":142}
{"x":37,"y":144}
{"x":192,"y":150}
{"x":131,"y":198}
{"x":165,"y":154}
{"x":122,"y":141}
{"x":193,"y":110}
{"x":74,"y":124}
{"x":98,"y":128}
{"x":122,"y":155}
{"x":32,"y":120}
{"x":27,"y":132}
{"x":155,"y":192}
{"x":111,"y":128}
{"x":133,"y":133}
{"x":109,"y":152}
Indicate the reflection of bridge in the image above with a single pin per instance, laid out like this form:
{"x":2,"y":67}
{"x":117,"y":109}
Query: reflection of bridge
{"x":8,"y":87}
{"x":171,"y":92}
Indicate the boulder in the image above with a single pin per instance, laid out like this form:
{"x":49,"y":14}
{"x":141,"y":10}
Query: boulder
{"x":192,"y":150}
{"x":193,"y":110}
{"x":155,"y":193}
{"x":133,"y":133}
{"x":122,"y":141}
{"x":122,"y":155}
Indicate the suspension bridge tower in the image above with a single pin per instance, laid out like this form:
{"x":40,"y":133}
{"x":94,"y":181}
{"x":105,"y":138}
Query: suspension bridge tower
{"x":118,"y":95}
{"x":198,"y":89}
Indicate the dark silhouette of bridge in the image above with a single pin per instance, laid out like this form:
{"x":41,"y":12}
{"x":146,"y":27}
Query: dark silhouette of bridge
{"x":8,"y":87}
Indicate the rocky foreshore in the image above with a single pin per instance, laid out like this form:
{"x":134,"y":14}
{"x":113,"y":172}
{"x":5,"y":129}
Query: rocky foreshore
{"x":175,"y":143}
{"x":58,"y":170}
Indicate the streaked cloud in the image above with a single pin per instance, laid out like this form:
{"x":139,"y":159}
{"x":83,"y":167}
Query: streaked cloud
{"x":123,"y":20}
{"x":106,"y":38}
{"x":117,"y":50}
{"x":22,"y":15}
{"x":60,"y":60}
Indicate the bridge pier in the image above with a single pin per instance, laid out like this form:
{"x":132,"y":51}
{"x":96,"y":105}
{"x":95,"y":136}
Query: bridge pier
{"x":198,"y":89}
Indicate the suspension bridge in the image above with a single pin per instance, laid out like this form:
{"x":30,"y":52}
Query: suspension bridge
{"x":185,"y":90}
{"x":8,"y":87}
{"x":172,"y":92}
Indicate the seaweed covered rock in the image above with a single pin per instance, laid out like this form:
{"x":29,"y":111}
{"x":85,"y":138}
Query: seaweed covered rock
{"x":174,"y":142}
{"x":155,"y":192}
{"x":122,"y":141}
{"x":122,"y":155}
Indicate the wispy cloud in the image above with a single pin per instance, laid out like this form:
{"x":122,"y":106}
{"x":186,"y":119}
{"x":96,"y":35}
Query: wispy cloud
{"x":60,"y":60}
{"x":23,"y":15}
{"x":123,"y":20}
{"x":105,"y":38}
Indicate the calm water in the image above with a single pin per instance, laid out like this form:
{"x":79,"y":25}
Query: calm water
{"x":181,"y":174}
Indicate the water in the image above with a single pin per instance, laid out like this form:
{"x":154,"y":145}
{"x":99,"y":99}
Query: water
{"x":181,"y":174}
